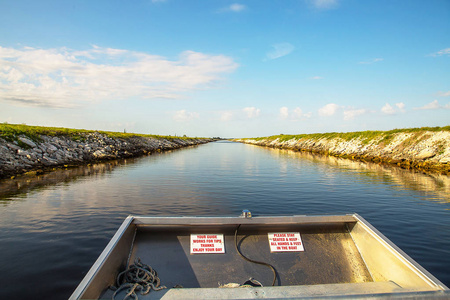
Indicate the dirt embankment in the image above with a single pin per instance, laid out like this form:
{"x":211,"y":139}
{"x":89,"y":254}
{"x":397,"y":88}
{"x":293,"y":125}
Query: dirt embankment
{"x":420,"y":149}
{"x":26,"y":154}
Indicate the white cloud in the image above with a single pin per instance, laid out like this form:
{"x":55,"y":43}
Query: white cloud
{"x":352,"y":113}
{"x":329,"y":109}
{"x":388,"y":109}
{"x":443,"y":94}
{"x":442,"y":52}
{"x":236,"y":7}
{"x":251,"y":112}
{"x":184,"y":116}
{"x":307,"y":115}
{"x":371,"y":61}
{"x":324,"y":4}
{"x":401,"y":106}
{"x":279,"y":50}
{"x":432,"y":105}
{"x":66,"y":78}
{"x":316,"y":78}
{"x":284,"y":112}
{"x":296,"y":113}
{"x":226,"y":116}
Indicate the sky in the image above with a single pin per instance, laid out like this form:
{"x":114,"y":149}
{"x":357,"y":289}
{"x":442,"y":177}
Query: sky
{"x":224,"y":68}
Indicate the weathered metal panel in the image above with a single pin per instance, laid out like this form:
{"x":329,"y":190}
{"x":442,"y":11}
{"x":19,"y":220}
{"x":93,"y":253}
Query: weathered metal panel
{"x":329,"y":257}
{"x":339,"y":253}
{"x":104,"y":271}
{"x":144,"y":220}
{"x":386,"y":261}
{"x":330,"y":291}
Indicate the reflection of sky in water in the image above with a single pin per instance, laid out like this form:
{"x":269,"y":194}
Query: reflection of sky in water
{"x":59,"y":222}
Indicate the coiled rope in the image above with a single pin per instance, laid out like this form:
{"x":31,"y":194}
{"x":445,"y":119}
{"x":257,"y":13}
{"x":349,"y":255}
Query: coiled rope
{"x":251,"y":260}
{"x":139,"y":277}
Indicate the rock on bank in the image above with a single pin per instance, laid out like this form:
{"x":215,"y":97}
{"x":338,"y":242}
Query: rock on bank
{"x":413,"y":149}
{"x":25,"y":154}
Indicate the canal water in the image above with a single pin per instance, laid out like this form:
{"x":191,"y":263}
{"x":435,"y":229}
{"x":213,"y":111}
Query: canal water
{"x":54,"y":226}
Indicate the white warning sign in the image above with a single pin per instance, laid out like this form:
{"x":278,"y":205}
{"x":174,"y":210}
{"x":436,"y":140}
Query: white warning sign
{"x":285,"y":242}
{"x":207,"y":243}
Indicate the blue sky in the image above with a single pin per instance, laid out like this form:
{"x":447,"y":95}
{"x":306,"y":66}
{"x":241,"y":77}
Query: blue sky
{"x":225,"y":68}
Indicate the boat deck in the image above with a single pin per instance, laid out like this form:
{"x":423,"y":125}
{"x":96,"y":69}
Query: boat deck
{"x":343,"y":256}
{"x":330,"y":256}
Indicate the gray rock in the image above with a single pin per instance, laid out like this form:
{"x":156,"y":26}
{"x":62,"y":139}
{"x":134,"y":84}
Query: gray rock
{"x":99,"y":154}
{"x":12,"y":146}
{"x":445,"y":160}
{"x":27,"y":141}
{"x":60,"y":152}
{"x":68,"y":155}
{"x":425,"y":154}
{"x":32,"y":156}
{"x":51,"y":148}
{"x":26,"y":161}
{"x":59,"y":157}
{"x":46,"y":161}
{"x":22,"y":152}
{"x":42,"y":147}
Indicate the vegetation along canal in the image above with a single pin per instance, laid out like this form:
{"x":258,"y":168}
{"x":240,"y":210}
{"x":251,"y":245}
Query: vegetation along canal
{"x":54,"y":226}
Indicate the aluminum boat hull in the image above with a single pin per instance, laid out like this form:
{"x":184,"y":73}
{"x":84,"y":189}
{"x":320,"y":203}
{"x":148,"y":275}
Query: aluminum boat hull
{"x":344,"y":256}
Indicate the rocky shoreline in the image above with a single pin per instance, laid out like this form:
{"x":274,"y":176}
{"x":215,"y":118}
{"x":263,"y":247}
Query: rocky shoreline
{"x":427,"y":151}
{"x":26,"y":155}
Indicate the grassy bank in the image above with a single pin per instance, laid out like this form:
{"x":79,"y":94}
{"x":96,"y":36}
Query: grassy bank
{"x":11,"y":132}
{"x":25,"y":149}
{"x":425,"y":148}
{"x":364,"y":136}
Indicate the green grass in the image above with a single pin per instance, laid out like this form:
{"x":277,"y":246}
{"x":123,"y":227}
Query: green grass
{"x":364,"y":136}
{"x":11,"y":132}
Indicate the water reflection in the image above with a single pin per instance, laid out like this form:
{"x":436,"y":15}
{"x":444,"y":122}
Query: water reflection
{"x":21,"y":185}
{"x":436,"y":187}
{"x":54,"y":226}
{"x":25,"y":184}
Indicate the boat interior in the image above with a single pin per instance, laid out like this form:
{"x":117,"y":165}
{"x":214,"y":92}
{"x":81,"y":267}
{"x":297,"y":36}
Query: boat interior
{"x":341,"y":256}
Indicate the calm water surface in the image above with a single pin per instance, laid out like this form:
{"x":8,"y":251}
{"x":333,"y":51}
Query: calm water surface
{"x":54,"y":226}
